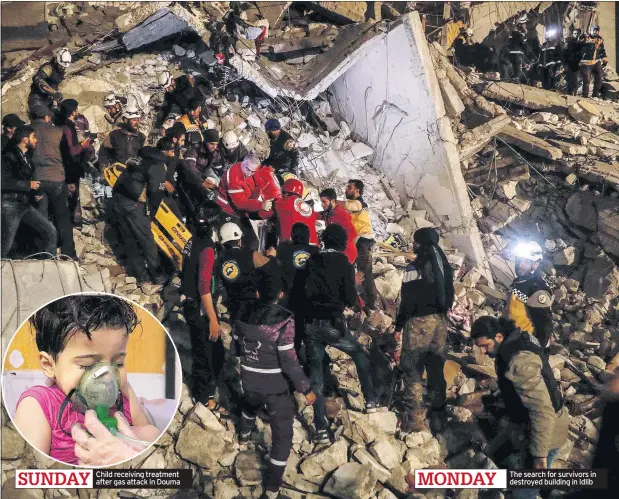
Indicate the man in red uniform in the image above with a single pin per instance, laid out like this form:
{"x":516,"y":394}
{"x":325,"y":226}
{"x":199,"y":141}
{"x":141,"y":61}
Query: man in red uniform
{"x":236,"y":195}
{"x":291,"y":209}
{"x":335,"y":214}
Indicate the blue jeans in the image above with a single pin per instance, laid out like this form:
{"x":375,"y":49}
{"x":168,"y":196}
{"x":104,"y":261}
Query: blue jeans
{"x":15,"y":213}
{"x":319,"y":334}
{"x":515,"y":461}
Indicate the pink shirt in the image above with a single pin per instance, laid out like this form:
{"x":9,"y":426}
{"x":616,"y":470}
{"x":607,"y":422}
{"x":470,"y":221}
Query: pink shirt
{"x":50,"y":398}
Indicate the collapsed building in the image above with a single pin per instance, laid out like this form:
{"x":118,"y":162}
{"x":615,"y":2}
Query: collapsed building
{"x":368,"y":92}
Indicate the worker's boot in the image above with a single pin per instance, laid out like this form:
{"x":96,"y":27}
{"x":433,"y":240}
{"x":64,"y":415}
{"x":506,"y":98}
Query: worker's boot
{"x":413,"y":421}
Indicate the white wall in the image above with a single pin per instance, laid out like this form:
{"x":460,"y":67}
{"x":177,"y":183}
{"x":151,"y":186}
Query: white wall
{"x":391,"y":98}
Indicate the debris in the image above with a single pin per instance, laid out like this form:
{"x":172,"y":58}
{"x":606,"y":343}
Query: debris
{"x":352,"y":481}
{"x":529,"y":143}
{"x":342,"y":12}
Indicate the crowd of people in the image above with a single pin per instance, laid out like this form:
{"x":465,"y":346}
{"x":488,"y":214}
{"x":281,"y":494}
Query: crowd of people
{"x":288,"y":302}
{"x":523,"y":58}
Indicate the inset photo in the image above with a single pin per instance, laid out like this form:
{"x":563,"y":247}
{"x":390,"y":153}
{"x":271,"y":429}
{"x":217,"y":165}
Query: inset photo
{"x":91,"y":379}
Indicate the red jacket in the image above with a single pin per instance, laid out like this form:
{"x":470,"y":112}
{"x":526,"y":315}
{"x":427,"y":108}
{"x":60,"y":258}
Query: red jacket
{"x":235,"y":192}
{"x":291,"y":210}
{"x":266,"y":184}
{"x":340,"y":216}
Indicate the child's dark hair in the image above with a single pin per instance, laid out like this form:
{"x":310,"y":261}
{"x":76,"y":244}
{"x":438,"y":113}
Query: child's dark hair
{"x":488,"y":327}
{"x":269,"y":282}
{"x":335,"y":237}
{"x":300,"y":233}
{"x":56,"y":323}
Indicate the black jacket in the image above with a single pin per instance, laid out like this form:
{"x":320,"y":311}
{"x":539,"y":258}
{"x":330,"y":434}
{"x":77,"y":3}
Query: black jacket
{"x":231,"y":158}
{"x":120,"y":145}
{"x":50,"y":74}
{"x":330,"y":285}
{"x":17,"y":172}
{"x":264,"y":340}
{"x":293,"y":259}
{"x":552,"y":53}
{"x":592,"y":50}
{"x":572,"y":53}
{"x":143,"y":178}
{"x":284,"y":155}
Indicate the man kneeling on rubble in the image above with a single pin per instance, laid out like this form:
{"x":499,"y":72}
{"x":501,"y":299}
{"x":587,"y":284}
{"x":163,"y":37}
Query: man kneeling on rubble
{"x":264,"y":341}
{"x":427,"y":296}
{"x":533,"y":403}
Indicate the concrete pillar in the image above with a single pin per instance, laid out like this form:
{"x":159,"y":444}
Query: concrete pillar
{"x":392,"y":99}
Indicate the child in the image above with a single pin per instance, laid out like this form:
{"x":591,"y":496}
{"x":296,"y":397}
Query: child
{"x":264,"y":340}
{"x":72,"y":334}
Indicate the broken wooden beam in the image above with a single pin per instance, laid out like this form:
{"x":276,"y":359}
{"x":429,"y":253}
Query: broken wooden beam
{"x":476,"y":139}
{"x":529,"y":143}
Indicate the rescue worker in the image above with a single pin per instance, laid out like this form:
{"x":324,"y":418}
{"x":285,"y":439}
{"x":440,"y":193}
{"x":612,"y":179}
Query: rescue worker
{"x":232,"y":150}
{"x":136,"y":197}
{"x":263,"y":340}
{"x":124,"y":142}
{"x":571,"y":59}
{"x":199,"y":310}
{"x":334,"y":213}
{"x":18,"y":189}
{"x":551,"y":56}
{"x":10,"y":123}
{"x":45,"y":82}
{"x":177,"y":133}
{"x":360,"y":216}
{"x":293,"y":256}
{"x":529,"y":297}
{"x":196,"y":154}
{"x":234,"y":195}
{"x":593,"y":59}
{"x":463,"y":50}
{"x":73,"y":153}
{"x":284,"y":155}
{"x":170,"y":109}
{"x":50,"y":171}
{"x":291,"y":209}
{"x":214,"y":158}
{"x":538,"y":419}
{"x":330,"y":288}
{"x":512,"y":57}
{"x":427,"y":295}
{"x":168,"y":149}
{"x":236,"y":269}
{"x":114,"y":108}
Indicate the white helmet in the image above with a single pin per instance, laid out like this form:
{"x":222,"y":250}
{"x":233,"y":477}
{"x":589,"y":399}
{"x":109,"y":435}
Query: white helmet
{"x":230,"y":140}
{"x":468,"y":32}
{"x":63,"y":58}
{"x":110,"y":99}
{"x":528,"y":250}
{"x":132,"y":109}
{"x":165,"y":79}
{"x":522,"y":19}
{"x":230,"y":232}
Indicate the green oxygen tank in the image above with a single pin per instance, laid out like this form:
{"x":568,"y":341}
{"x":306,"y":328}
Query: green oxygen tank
{"x":98,"y":389}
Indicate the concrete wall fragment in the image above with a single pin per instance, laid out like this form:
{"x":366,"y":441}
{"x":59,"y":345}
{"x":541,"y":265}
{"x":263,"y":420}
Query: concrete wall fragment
{"x":392,"y":99}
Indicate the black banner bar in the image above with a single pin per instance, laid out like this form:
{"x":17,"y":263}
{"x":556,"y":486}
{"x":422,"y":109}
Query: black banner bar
{"x":143,"y":479}
{"x":564,"y":479}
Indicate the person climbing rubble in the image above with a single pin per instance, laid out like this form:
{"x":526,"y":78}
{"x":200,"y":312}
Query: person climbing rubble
{"x":74,"y":154}
{"x":571,"y":60}
{"x":124,"y":142}
{"x":284,"y":154}
{"x":199,"y":310}
{"x":593,"y":59}
{"x":232,"y":150}
{"x":113,"y":105}
{"x":551,"y":56}
{"x":330,"y":288}
{"x":421,"y":331}
{"x":196,"y":153}
{"x":512,"y":57}
{"x":529,"y":297}
{"x":463,"y":49}
{"x":236,"y":269}
{"x":18,"y":191}
{"x":50,"y":171}
{"x":45,"y":82}
{"x":334,"y":213}
{"x":10,"y":123}
{"x":235,"y":196}
{"x":533,"y":402}
{"x":360,"y":216}
{"x":136,"y":197}
{"x":263,"y":340}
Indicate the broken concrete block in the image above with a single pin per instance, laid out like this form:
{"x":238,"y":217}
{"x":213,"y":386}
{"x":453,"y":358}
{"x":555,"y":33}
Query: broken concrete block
{"x":566,"y":256}
{"x":544,"y":118}
{"x":454,"y":106}
{"x":508,"y":189}
{"x":571,"y":179}
{"x":385,"y":453}
{"x":569,"y":148}
{"x":342,"y":12}
{"x":601,"y":279}
{"x":580,"y":209}
{"x":327,"y":460}
{"x":529,"y":143}
{"x":585,"y":112}
{"x":352,"y":481}
{"x":364,"y":457}
{"x":248,"y":468}
{"x":608,"y":224}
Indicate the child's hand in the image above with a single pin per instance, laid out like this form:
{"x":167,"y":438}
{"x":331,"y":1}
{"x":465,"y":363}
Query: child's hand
{"x":98,"y":447}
